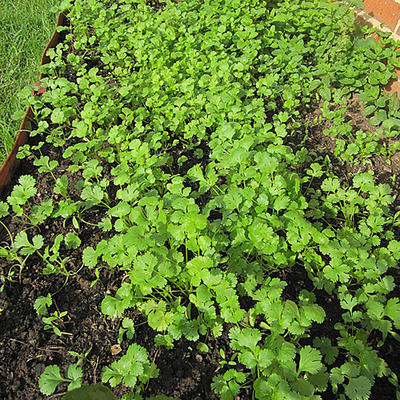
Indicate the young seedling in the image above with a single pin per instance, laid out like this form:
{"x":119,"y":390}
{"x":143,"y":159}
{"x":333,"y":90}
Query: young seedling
{"x":51,"y":378}
{"x":54,"y":321}
{"x":81,"y":356}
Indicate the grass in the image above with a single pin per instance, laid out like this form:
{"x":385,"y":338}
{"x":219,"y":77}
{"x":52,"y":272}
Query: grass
{"x":25,"y":28}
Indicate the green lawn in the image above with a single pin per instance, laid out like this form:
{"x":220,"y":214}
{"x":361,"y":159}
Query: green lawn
{"x":25,"y":28}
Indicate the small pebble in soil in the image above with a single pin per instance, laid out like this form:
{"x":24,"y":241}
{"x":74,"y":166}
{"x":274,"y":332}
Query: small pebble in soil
{"x":39,"y":369}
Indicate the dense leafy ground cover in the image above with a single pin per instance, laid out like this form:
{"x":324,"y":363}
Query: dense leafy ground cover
{"x":201,"y":170}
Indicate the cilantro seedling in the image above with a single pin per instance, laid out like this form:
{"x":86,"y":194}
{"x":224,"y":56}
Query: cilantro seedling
{"x":54,"y":322}
{"x":41,"y":304}
{"x":134,"y":368}
{"x":81,"y":356}
{"x":51,"y":378}
{"x":127,"y":329}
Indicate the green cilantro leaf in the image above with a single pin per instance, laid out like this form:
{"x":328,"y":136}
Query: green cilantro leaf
{"x":358,"y":388}
{"x":392,"y":310}
{"x":72,"y":241}
{"x":245,"y":338}
{"x":325,"y":347}
{"x":314,"y":312}
{"x":132,"y":366}
{"x":330,"y":185}
{"x":93,"y":195}
{"x":310,"y":360}
{"x":75,"y":374}
{"x":41,"y":304}
{"x":89,"y":257}
{"x":21,"y":242}
{"x":50,"y":379}
{"x":3,"y":209}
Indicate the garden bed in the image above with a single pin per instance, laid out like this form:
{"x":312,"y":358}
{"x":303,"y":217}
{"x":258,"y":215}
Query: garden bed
{"x":212,"y":190}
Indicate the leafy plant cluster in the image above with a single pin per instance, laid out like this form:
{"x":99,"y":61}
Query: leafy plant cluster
{"x":99,"y":392}
{"x":181,"y":124}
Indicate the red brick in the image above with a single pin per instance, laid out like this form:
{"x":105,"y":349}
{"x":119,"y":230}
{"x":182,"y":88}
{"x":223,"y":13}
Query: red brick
{"x":385,"y":11}
{"x":394,"y":85}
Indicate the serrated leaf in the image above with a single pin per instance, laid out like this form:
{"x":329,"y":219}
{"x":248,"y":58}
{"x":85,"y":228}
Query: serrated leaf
{"x":72,"y":241}
{"x":218,"y":384}
{"x":128,"y":324}
{"x":61,"y":186}
{"x":286,"y":352}
{"x":358,"y":388}
{"x":314,"y":312}
{"x":3,"y":209}
{"x":130,"y":380}
{"x":336,"y":376}
{"x":122,"y":209}
{"x":374,"y":309}
{"x":130,"y":367}
{"x":392,"y":310}
{"x":310,"y":360}
{"x":22,"y":192}
{"x":246,"y":357}
{"x":105,"y":224}
{"x":195,"y":173}
{"x":57,"y":116}
{"x":247,"y":337}
{"x":74,"y":372}
{"x":45,"y":164}
{"x":22,"y":243}
{"x":38,"y":242}
{"x":50,"y":379}
{"x":112,"y":307}
{"x":202,"y":348}
{"x":265,"y":358}
{"x":89,"y":257}
{"x":305,"y":388}
{"x":28,"y":183}
{"x":233,"y":199}
{"x":127,"y":328}
{"x":93,"y":194}
{"x":74,"y":385}
{"x":109,"y":375}
{"x":41,"y":304}
{"x":325,"y":346}
{"x":348,"y":302}
{"x":350,"y":369}
{"x":266,"y":163}
{"x":281,"y":203}
{"x":158,"y":318}
{"x":330,"y":185}
{"x":320,"y":380}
